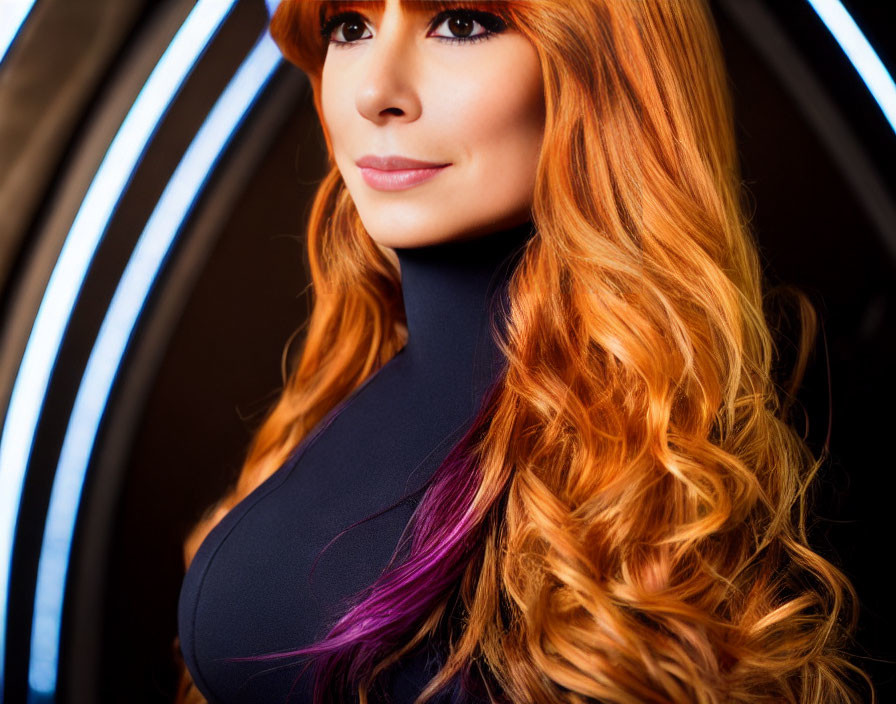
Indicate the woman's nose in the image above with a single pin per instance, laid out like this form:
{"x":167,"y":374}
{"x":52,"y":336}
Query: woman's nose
{"x":387,"y":87}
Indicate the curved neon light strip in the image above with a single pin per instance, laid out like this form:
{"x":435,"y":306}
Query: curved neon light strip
{"x":272,"y":5}
{"x":12,"y":16}
{"x":860,"y":53}
{"x":105,"y":359}
{"x":68,"y":274}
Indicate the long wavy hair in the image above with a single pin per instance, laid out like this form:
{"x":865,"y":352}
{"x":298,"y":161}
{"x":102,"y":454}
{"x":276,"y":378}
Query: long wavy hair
{"x":625,"y":520}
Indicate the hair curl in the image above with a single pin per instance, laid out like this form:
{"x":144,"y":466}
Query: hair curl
{"x":626,"y":519}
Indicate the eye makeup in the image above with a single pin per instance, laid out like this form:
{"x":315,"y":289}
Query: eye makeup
{"x":467,"y":13}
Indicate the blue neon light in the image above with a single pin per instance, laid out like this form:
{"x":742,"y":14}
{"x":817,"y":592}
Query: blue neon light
{"x":860,"y":53}
{"x":68,"y":274}
{"x":12,"y":16}
{"x":130,"y":296}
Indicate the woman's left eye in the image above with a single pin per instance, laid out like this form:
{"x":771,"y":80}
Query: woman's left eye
{"x":462,"y":25}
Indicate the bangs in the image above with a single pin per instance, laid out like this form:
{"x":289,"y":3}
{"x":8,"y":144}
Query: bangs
{"x":296,"y":26}
{"x":331,"y":6}
{"x":328,"y":8}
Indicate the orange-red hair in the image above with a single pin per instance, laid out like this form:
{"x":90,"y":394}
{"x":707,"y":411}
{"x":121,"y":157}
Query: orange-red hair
{"x":639,"y":496}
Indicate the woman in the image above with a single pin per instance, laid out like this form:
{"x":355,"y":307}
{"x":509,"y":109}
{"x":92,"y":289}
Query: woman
{"x":549,"y":461}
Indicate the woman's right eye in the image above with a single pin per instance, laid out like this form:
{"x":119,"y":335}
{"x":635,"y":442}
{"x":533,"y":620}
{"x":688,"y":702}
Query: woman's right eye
{"x":350,"y":24}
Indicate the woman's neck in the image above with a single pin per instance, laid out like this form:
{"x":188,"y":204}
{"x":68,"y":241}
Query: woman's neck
{"x":449,"y":292}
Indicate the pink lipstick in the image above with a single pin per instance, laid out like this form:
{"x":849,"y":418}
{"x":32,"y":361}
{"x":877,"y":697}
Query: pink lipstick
{"x":395,"y":173}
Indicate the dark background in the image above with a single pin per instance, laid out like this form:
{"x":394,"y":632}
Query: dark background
{"x":207,"y":359}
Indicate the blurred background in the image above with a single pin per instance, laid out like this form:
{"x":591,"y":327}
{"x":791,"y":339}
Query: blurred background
{"x":157,"y":159}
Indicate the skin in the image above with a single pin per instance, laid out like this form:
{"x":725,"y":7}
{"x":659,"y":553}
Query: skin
{"x":398,"y":89}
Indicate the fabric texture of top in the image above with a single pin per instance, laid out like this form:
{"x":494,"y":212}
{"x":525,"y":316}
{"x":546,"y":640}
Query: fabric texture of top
{"x":250,"y":589}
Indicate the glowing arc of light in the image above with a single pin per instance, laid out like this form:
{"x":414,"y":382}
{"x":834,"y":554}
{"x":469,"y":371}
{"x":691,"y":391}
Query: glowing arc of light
{"x":128,"y":301}
{"x":13,"y":14}
{"x":96,"y":209}
{"x":860,"y":53}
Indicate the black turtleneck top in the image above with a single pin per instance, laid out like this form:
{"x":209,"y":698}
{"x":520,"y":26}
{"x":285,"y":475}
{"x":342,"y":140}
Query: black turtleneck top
{"x":249,"y":589}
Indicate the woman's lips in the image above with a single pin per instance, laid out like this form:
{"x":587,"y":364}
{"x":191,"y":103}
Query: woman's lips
{"x":394,"y":172}
{"x":398,"y":179}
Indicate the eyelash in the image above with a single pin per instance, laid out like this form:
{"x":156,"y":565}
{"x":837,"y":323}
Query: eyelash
{"x":492,"y":24}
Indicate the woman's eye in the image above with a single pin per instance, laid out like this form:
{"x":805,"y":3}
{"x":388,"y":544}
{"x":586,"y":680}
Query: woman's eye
{"x":350,"y":24}
{"x":461,"y":25}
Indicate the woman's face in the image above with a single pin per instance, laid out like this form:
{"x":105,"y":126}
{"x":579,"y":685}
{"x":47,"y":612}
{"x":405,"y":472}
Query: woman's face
{"x":457,"y":90}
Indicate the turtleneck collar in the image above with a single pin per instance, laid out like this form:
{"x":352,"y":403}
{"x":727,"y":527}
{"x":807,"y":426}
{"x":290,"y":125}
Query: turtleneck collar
{"x":449,"y":292}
